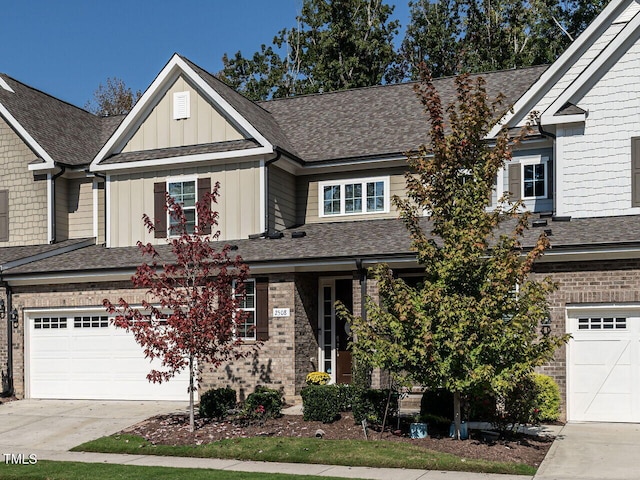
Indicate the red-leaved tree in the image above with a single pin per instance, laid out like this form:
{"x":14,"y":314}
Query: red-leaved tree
{"x":194,"y":298}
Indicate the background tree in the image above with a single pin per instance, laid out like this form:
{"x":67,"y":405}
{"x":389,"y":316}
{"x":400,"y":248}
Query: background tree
{"x":112,"y":98}
{"x":465,"y":326}
{"x":336,"y":44}
{"x":456,"y":36}
{"x":189,"y":320}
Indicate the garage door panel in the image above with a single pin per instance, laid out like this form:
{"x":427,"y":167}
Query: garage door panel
{"x":88,"y":360}
{"x":604,"y":368}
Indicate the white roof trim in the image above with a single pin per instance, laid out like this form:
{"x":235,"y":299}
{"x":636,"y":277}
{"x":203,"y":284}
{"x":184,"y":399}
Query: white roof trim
{"x":30,"y":141}
{"x":172,"y":69}
{"x":589,"y":73}
{"x":5,"y":85}
{"x":551,"y":76}
{"x":562,"y":119}
{"x":182,"y":159}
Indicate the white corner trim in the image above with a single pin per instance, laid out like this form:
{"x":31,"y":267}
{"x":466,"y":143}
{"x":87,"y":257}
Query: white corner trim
{"x":169,"y":73}
{"x":95,"y":193}
{"x":570,"y":56}
{"x":30,"y":141}
{"x":623,"y":38}
{"x":50,"y":208}
{"x":107,"y":210}
{"x":264,"y":201}
{"x":185,"y":159}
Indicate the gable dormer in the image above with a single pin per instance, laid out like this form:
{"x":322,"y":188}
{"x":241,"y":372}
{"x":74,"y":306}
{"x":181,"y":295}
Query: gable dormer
{"x":188,"y":130}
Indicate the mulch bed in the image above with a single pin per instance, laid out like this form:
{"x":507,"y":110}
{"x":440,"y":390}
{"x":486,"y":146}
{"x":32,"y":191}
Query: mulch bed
{"x":174,"y":430}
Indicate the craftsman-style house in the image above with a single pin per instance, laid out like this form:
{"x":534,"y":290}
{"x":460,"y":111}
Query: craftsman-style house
{"x":306,"y":184}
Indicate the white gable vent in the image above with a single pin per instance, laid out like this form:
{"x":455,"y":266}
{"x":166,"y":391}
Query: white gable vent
{"x":181,"y":105}
{"x":5,"y":85}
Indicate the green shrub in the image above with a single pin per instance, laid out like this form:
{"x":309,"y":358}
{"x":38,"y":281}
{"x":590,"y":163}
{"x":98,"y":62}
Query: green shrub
{"x":370,"y":404}
{"x":217,"y":402}
{"x":345,"y":396}
{"x":480,"y":405}
{"x":264,"y":402}
{"x":547,"y":398}
{"x":320,"y":403}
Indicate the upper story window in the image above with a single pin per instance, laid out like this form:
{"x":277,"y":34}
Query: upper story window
{"x":354,"y":196}
{"x":184,"y":193}
{"x":534,"y":179}
{"x":246,"y":330}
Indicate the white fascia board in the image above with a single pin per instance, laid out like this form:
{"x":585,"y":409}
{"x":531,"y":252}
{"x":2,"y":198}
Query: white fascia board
{"x":570,"y":56}
{"x":48,"y":161}
{"x":548,"y":119}
{"x":181,"y":160}
{"x":622,"y":40}
{"x":169,"y":73}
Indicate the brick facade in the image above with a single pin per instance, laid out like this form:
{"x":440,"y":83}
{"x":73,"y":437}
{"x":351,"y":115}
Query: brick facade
{"x":602,"y":282}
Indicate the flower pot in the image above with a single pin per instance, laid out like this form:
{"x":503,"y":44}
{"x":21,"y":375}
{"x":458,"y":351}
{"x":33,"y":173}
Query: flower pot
{"x":418,"y":430}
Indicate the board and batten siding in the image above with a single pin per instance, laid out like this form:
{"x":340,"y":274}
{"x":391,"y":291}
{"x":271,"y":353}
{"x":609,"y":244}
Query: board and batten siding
{"x":131,"y":196}
{"x":307,"y":193}
{"x":204,"y":125}
{"x":282,"y":199}
{"x":27,"y":193}
{"x":594,"y":170}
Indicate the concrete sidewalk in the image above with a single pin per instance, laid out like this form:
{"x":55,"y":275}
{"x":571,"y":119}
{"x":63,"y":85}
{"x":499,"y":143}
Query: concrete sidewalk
{"x":268,"y":467}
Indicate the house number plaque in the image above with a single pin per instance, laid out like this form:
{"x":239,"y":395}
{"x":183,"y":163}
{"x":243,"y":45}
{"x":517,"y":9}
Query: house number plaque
{"x":281,"y":312}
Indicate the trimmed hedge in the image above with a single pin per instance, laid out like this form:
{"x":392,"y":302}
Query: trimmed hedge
{"x":217,"y":402}
{"x":264,"y":402}
{"x":370,"y":404}
{"x":320,"y":403}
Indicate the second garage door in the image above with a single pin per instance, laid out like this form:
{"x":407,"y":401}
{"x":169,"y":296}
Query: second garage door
{"x":604,"y":365}
{"x":81,"y":355}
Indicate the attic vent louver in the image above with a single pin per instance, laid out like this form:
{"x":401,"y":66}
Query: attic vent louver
{"x":5,"y":85}
{"x":181,"y":105}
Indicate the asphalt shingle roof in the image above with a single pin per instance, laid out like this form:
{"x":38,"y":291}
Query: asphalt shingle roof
{"x":376,"y":121}
{"x":67,"y":133}
{"x":334,"y":242}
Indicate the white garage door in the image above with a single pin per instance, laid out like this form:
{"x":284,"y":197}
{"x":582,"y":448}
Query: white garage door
{"x":604,"y":366}
{"x":83,"y":356}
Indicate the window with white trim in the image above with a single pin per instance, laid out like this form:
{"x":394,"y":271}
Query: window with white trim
{"x":354,"y":196}
{"x":602,"y":323}
{"x":246,"y":330}
{"x":534,"y":179}
{"x":44,"y":323}
{"x":183,"y":192}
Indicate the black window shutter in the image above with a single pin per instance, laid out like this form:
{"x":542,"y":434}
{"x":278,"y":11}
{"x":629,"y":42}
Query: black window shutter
{"x":635,"y":172}
{"x":515,"y":180}
{"x":550,"y":179}
{"x":159,"y":209}
{"x":262,"y":309}
{"x":4,"y":215}
{"x":204,"y":186}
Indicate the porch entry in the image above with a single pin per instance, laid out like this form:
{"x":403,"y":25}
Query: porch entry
{"x":334,"y":334}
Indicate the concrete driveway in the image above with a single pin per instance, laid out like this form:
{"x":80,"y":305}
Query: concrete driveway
{"x":28,"y":426}
{"x":593,"y":451}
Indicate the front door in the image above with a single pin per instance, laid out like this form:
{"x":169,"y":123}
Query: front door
{"x":335,"y":356}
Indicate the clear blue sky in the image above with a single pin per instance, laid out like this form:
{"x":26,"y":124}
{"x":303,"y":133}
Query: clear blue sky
{"x":68,"y":47}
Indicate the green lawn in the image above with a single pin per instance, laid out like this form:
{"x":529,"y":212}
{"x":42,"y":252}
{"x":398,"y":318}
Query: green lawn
{"x":46,"y":470}
{"x":378,"y":454}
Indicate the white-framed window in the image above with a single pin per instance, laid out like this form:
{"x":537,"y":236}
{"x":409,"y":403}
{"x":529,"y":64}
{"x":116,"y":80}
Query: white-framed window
{"x":353,"y":196}
{"x":246,"y":330}
{"x":184,"y":191}
{"x":535,"y":178}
